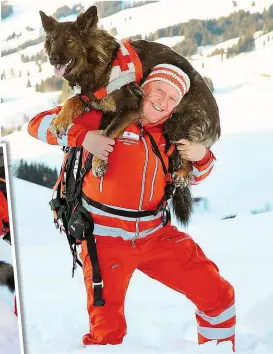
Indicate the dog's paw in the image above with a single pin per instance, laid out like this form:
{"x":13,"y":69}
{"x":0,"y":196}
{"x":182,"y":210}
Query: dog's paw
{"x":57,"y":130}
{"x":99,"y":167}
{"x":179,"y":180}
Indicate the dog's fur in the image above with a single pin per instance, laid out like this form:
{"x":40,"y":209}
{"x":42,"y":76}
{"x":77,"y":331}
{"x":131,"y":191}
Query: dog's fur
{"x":7,"y":276}
{"x":92,"y":51}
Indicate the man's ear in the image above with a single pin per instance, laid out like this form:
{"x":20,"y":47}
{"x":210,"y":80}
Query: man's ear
{"x":88,"y":19}
{"x":48,"y":22}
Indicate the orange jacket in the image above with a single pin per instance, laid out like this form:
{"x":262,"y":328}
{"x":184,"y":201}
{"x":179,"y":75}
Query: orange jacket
{"x":134,"y":179}
{"x":4,"y":213}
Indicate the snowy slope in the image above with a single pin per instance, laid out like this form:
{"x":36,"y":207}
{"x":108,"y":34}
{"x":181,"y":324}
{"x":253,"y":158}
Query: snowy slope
{"x":54,"y":314}
{"x":9,"y":334}
{"x":163,"y":13}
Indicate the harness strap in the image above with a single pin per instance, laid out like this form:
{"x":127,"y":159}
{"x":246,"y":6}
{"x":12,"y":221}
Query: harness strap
{"x":125,"y":213}
{"x":169,"y":188}
{"x":97,"y":281}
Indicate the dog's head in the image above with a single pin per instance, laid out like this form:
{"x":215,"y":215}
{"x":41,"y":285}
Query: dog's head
{"x":65,"y":42}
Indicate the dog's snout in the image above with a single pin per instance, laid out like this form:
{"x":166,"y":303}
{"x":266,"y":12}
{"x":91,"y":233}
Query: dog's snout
{"x":54,"y":59}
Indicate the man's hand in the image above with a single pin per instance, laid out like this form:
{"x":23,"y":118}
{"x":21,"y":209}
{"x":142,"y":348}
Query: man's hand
{"x":97,"y":144}
{"x":189,"y":150}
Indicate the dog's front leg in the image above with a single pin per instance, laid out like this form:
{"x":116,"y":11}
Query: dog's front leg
{"x":71,"y":109}
{"x":114,"y":130}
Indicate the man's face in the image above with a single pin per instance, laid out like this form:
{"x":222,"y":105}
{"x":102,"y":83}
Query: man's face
{"x":160,"y":99}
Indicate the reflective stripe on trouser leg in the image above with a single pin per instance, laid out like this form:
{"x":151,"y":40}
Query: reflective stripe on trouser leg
{"x":220,"y":327}
{"x":216,"y":333}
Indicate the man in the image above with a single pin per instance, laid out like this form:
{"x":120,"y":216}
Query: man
{"x":135,"y":181}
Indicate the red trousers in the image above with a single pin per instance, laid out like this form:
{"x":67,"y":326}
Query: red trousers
{"x":174,"y":259}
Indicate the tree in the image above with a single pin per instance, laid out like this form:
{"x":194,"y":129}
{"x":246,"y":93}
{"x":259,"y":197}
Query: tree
{"x":36,"y":173}
{"x":6,"y":10}
{"x":28,"y":83}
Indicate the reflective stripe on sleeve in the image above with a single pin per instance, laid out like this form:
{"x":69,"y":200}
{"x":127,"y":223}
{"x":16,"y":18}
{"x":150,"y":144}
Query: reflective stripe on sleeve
{"x":44,"y":126}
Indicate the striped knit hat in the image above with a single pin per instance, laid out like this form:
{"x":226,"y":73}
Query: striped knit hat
{"x":172,"y":75}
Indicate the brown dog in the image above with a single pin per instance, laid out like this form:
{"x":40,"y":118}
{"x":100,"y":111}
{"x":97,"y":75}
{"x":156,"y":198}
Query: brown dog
{"x":83,"y":54}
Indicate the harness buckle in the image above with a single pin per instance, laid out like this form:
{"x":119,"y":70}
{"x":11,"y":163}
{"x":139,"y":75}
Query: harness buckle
{"x":83,"y":171}
{"x":166,"y":215}
{"x":97,"y":284}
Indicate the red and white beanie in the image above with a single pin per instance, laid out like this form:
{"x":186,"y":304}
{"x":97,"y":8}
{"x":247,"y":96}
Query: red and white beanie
{"x":172,"y":75}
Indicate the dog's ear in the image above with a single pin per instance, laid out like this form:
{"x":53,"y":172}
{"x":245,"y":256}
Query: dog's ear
{"x":88,"y":19}
{"x":48,"y":22}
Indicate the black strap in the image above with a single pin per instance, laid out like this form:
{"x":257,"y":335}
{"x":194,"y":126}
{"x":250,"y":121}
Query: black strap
{"x":97,"y":281}
{"x":156,"y":151}
{"x":85,"y":169}
{"x":125,"y":213}
{"x":169,"y":188}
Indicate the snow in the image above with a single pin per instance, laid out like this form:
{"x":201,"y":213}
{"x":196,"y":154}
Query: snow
{"x":161,"y":14}
{"x":162,"y":324}
{"x":9,"y":336}
{"x":170,"y":41}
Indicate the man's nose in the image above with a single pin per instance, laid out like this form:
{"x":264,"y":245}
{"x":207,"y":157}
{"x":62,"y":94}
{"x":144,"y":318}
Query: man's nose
{"x":164,"y":101}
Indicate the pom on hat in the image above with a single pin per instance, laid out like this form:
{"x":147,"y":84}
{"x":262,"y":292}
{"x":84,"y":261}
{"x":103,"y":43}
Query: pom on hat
{"x":172,"y":75}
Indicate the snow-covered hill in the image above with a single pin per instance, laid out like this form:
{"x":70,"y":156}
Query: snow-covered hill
{"x":9,"y":334}
{"x":20,"y":103}
{"x":127,"y":22}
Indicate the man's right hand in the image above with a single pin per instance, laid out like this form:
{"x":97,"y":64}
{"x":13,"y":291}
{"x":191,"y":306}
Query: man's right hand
{"x":98,"y":144}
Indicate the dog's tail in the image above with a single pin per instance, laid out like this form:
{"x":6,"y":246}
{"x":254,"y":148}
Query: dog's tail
{"x":7,"y":275}
{"x":181,"y":204}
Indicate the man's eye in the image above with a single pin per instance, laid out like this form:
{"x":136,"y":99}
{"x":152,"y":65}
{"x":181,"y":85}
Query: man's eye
{"x":70,"y":40}
{"x":160,"y":90}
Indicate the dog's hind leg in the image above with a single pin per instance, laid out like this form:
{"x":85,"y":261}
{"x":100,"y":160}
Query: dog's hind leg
{"x":114,"y":130}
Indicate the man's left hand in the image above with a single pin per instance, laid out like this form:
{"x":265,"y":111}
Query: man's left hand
{"x":189,"y":150}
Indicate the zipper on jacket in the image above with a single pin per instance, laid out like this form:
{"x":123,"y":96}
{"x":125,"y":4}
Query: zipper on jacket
{"x":153,"y":180}
{"x":101,"y":182}
{"x":142,"y":185}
